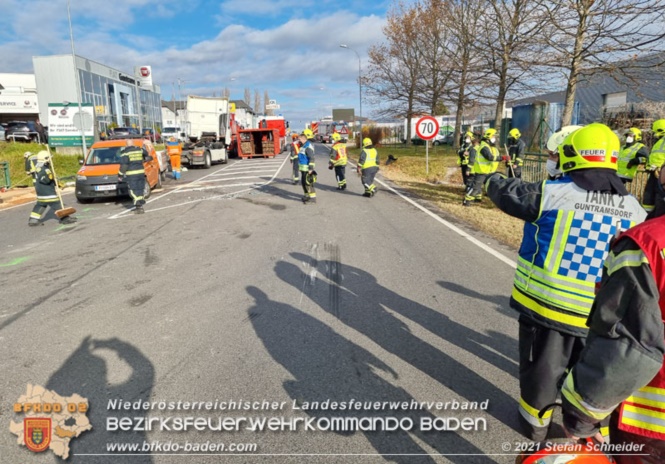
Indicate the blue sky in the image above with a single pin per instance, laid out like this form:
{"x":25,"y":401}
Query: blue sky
{"x":288,"y":47}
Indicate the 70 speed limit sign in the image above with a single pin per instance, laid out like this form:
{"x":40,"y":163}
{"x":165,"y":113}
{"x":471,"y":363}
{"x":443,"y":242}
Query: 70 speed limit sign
{"x":427,"y":127}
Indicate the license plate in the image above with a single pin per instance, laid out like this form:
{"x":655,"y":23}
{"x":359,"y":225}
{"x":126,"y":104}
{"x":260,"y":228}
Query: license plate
{"x":105,"y":187}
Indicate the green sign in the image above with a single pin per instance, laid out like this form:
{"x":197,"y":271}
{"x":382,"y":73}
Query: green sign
{"x":69,"y":141}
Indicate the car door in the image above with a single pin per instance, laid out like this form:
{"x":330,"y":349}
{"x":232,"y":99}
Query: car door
{"x":151,"y":167}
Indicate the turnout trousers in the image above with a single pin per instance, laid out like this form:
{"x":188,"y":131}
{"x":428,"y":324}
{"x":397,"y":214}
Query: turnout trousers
{"x":367,"y":176}
{"x":340,"y":174}
{"x":136,"y":186}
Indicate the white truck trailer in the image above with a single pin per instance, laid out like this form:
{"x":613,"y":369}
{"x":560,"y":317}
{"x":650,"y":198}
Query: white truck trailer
{"x":209,"y":134}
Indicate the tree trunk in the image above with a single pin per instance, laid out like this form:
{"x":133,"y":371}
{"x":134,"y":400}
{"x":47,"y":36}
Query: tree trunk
{"x":460,"y":111}
{"x":571,"y":87}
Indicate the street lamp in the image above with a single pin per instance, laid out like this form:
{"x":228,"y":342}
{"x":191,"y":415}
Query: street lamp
{"x":78,"y":84}
{"x":360,"y":92}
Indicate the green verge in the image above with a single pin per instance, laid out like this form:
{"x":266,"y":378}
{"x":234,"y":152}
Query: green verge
{"x":66,"y":166}
{"x":442,"y":186}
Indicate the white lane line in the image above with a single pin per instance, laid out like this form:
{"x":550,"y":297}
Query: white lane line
{"x":214,"y":197}
{"x":232,"y":173}
{"x":452,"y":227}
{"x":226,"y":179}
{"x":198,"y":189}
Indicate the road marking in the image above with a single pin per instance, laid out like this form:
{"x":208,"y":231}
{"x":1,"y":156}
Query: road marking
{"x":214,"y":197}
{"x":452,"y":227}
{"x":14,"y":262}
{"x":232,"y":173}
{"x":197,"y":189}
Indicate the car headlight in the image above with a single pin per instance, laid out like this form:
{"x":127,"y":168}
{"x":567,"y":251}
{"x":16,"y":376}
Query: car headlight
{"x":81,"y":177}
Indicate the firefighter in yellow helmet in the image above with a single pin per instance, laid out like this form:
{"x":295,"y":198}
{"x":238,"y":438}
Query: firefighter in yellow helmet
{"x":466,"y":157}
{"x":654,"y":165}
{"x":368,"y":167}
{"x":516,"y":148}
{"x":294,"y":148}
{"x":45,"y":187}
{"x":338,"y":159}
{"x":486,"y":163}
{"x":306,"y":166}
{"x":569,"y":223}
{"x":132,"y":171}
{"x":633,"y":153}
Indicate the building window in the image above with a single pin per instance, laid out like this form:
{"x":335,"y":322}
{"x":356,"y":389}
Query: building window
{"x":613,"y":100}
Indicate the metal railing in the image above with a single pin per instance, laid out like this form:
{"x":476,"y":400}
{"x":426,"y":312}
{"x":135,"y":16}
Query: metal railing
{"x":533,"y":170}
{"x":23,"y":135}
{"x":4,"y":176}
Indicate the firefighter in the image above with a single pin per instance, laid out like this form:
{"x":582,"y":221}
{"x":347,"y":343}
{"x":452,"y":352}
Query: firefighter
{"x":568,"y":226}
{"x":632,"y":154}
{"x":486,"y":163}
{"x":46,"y":191}
{"x":294,"y":148}
{"x":132,"y":170}
{"x":306,"y":166}
{"x":464,"y":160}
{"x":552,"y":165}
{"x":516,"y":147}
{"x":654,"y":164}
{"x":30,"y":163}
{"x":174,"y":150}
{"x":338,"y":160}
{"x":622,"y":371}
{"x":368,"y":167}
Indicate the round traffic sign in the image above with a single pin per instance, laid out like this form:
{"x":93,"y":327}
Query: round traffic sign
{"x":427,"y":127}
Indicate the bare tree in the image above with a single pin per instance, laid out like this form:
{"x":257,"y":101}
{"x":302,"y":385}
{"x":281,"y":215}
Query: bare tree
{"x":393,"y":73}
{"x":248,"y":96}
{"x":266,"y":99}
{"x":591,"y":36}
{"x":257,"y":102}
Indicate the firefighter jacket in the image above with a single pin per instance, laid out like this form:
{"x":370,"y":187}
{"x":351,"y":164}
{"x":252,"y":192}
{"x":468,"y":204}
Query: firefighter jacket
{"x":657,"y":155}
{"x":294,"y":148}
{"x":567,"y":232}
{"x":623,"y":360}
{"x":369,"y":158}
{"x":630,"y":157}
{"x":131,"y":162}
{"x":516,"y":152}
{"x":338,"y":154}
{"x":463,"y":154}
{"x":45,"y":184}
{"x":32,"y":166}
{"x":174,"y":148}
{"x":306,"y":157}
{"x":487,"y":160}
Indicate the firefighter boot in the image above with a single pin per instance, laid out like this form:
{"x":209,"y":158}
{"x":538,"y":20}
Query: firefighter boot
{"x":32,"y":222}
{"x":139,"y":210}
{"x":68,"y":220}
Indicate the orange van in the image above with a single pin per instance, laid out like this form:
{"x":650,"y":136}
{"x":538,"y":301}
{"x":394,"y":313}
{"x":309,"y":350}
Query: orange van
{"x":98,"y":176}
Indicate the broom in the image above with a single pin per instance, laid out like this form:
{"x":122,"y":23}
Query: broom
{"x":62,"y":212}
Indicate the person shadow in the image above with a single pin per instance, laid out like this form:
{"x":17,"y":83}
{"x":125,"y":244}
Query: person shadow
{"x":85,"y":372}
{"x":361,"y":303}
{"x":326,"y":366}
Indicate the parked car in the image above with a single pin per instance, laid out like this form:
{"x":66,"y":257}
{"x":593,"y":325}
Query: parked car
{"x":21,"y":131}
{"x":98,"y":176}
{"x":2,"y":132}
{"x":443,"y":139}
{"x":124,"y":132}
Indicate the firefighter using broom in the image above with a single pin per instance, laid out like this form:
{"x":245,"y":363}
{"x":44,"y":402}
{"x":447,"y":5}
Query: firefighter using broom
{"x":48,"y":195}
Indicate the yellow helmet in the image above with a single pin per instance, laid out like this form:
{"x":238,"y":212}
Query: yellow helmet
{"x":336,"y":137}
{"x":469,"y":134}
{"x":367,"y":142}
{"x":593,"y":146}
{"x":559,"y":136}
{"x":489,"y":133}
{"x":43,"y":156}
{"x":308,"y":133}
{"x":658,"y":128}
{"x":515,"y":133}
{"x":636,"y":133}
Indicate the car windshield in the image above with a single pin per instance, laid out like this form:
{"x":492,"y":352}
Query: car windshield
{"x":106,"y":155}
{"x":169,"y":130}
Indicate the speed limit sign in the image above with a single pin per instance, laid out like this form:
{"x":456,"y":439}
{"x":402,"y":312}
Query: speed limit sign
{"x":427,"y":127}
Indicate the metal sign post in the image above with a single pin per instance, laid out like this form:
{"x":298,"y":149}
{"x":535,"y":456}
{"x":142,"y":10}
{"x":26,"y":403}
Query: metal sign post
{"x":427,"y":128}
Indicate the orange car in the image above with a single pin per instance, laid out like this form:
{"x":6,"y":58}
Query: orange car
{"x":98,"y":176}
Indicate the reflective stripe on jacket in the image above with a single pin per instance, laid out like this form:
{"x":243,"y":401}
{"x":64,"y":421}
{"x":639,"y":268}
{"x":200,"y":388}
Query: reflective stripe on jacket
{"x":131,"y":162}
{"x":563,"y":251}
{"x":626,"y":155}
{"x":368,"y":158}
{"x":338,"y":155}
{"x":482,"y":165}
{"x":657,"y":155}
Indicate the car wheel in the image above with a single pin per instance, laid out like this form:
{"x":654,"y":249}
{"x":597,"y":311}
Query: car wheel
{"x":146,"y":190}
{"x":208,"y":161}
{"x":158,"y":185}
{"x":436,"y":142}
{"x":84,"y":201}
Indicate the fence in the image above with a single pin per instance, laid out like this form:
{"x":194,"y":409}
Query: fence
{"x":534,"y":170}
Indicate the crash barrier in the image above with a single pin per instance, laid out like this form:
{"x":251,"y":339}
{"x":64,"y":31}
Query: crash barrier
{"x":534,"y":170}
{"x":4,"y":174}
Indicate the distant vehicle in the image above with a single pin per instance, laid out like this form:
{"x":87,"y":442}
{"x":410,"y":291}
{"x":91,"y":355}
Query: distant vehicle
{"x":2,"y":132}
{"x":21,"y":131}
{"x":209,"y":123}
{"x":151,"y":135}
{"x":443,"y":139}
{"x":124,"y":132}
{"x":176,"y":132}
{"x":98,"y":176}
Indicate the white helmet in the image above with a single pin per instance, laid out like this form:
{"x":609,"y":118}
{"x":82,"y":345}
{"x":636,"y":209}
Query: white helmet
{"x":559,"y":136}
{"x":43,"y":156}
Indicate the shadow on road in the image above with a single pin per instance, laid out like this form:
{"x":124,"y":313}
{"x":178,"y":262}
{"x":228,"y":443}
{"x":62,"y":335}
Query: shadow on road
{"x":361,"y":303}
{"x":86,"y":372}
{"x":326,"y":365}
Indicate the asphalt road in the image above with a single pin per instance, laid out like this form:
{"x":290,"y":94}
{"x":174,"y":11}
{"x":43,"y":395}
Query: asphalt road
{"x":229,"y":288}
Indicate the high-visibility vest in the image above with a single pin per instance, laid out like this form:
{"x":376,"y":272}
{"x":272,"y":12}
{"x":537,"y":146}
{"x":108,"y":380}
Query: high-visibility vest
{"x":304,"y":161}
{"x":657,"y":155}
{"x":563,"y":252}
{"x":485,"y":166}
{"x":134,"y":163}
{"x":643,"y":413}
{"x":370,"y":158}
{"x":340,"y":157}
{"x":625,"y":156}
{"x":173,"y":148}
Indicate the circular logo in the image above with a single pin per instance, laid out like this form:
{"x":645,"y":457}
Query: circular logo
{"x":54,"y":112}
{"x":26,"y":103}
{"x":63,"y":112}
{"x":145,"y":72}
